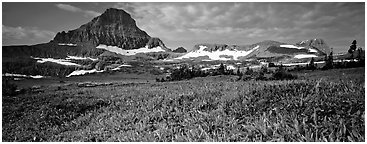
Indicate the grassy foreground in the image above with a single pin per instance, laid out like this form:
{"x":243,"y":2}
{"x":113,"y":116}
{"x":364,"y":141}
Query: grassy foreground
{"x":327,"y":108}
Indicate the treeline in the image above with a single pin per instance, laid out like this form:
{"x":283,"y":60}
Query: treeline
{"x":330,"y":64}
{"x":265,"y":74}
{"x":185,"y":72}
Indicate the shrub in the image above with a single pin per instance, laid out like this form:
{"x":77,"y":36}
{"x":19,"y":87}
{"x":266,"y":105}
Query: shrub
{"x":8,"y":89}
{"x":281,"y":74}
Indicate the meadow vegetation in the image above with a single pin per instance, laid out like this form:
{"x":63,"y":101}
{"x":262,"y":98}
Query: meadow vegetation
{"x":319,"y":106}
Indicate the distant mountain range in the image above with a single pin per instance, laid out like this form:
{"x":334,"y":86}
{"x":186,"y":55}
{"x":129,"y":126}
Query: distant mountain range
{"x":264,"y":49}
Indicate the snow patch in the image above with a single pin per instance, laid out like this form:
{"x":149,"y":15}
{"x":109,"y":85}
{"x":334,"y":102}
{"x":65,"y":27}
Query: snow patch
{"x":312,"y":50}
{"x":204,"y":69}
{"x":293,"y":64}
{"x":20,"y":75}
{"x":66,"y":44}
{"x":83,"y":72}
{"x":119,"y":67}
{"x":121,"y":51}
{"x":302,"y":42}
{"x":231,"y":67}
{"x":80,"y":58}
{"x":300,"y":56}
{"x":58,"y":61}
{"x":216,"y":55}
{"x":292,"y":46}
{"x":346,"y":60}
{"x":169,"y":60}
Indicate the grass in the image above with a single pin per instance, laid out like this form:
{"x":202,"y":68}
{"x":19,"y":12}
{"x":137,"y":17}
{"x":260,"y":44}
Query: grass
{"x":202,"y":109}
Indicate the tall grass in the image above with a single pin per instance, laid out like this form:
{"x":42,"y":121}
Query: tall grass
{"x":202,"y":109}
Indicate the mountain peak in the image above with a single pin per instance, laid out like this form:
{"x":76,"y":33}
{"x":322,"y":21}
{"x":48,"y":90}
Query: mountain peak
{"x":114,"y":27}
{"x":114,"y":16}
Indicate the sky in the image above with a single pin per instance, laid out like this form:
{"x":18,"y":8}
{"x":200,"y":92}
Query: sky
{"x":188,"y":24}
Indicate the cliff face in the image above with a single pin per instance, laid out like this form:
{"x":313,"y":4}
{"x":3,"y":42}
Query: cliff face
{"x":114,"y":27}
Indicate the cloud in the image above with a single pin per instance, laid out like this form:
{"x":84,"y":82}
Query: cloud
{"x":247,"y":23}
{"x":12,"y":35}
{"x":74,"y":9}
{"x":68,"y":7}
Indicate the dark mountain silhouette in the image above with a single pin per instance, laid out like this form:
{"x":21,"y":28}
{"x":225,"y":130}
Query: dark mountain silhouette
{"x":114,"y":27}
{"x":180,"y":50}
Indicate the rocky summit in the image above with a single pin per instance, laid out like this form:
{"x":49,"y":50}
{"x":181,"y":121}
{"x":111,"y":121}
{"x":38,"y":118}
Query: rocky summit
{"x":114,"y":27}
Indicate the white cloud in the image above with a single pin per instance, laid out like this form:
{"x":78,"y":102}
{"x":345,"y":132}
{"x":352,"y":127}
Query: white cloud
{"x":74,"y":9}
{"x":29,"y":35}
{"x":68,"y":7}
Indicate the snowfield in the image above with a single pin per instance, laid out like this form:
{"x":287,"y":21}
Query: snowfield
{"x":300,"y":56}
{"x":58,"y":61}
{"x":20,"y":75}
{"x":80,"y":58}
{"x":230,"y":67}
{"x":293,"y":64}
{"x":216,"y":55}
{"x":121,"y":51}
{"x":64,"y":44}
{"x":83,"y":72}
{"x":119,"y":67}
{"x":292,"y":46}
